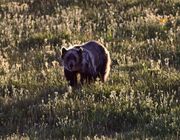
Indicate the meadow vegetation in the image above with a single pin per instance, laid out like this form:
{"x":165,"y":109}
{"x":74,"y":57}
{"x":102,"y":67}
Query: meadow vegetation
{"x":142,"y":96}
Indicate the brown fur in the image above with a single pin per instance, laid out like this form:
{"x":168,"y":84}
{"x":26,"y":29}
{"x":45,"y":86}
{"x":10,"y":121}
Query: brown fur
{"x":91,"y":60}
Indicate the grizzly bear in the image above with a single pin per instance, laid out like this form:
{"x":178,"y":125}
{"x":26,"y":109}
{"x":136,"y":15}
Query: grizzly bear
{"x":91,"y":60}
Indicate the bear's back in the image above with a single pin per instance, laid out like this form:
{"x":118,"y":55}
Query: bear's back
{"x":97,"y":51}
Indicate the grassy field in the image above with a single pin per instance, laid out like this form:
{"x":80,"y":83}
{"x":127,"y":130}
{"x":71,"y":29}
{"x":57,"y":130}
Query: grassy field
{"x":141,"y":99}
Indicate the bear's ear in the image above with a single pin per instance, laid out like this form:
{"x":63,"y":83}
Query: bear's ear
{"x":80,"y":53}
{"x":64,"y":50}
{"x":80,"y":50}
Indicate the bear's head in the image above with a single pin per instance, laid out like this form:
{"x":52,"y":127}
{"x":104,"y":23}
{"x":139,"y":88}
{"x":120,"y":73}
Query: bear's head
{"x":71,"y":58}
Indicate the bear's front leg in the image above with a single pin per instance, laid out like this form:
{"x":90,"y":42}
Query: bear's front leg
{"x":71,"y":77}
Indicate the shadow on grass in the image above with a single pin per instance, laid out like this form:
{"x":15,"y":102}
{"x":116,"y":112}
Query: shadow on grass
{"x":24,"y":112}
{"x":38,"y":116}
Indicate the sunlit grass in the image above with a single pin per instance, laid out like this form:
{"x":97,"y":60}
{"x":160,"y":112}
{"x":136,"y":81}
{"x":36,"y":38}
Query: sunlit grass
{"x":141,"y":98}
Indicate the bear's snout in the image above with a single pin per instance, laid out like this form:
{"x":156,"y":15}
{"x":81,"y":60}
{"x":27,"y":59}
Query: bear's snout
{"x":70,"y":65}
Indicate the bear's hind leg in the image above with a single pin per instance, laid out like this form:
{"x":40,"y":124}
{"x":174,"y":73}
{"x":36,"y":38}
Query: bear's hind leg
{"x":105,"y":69}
